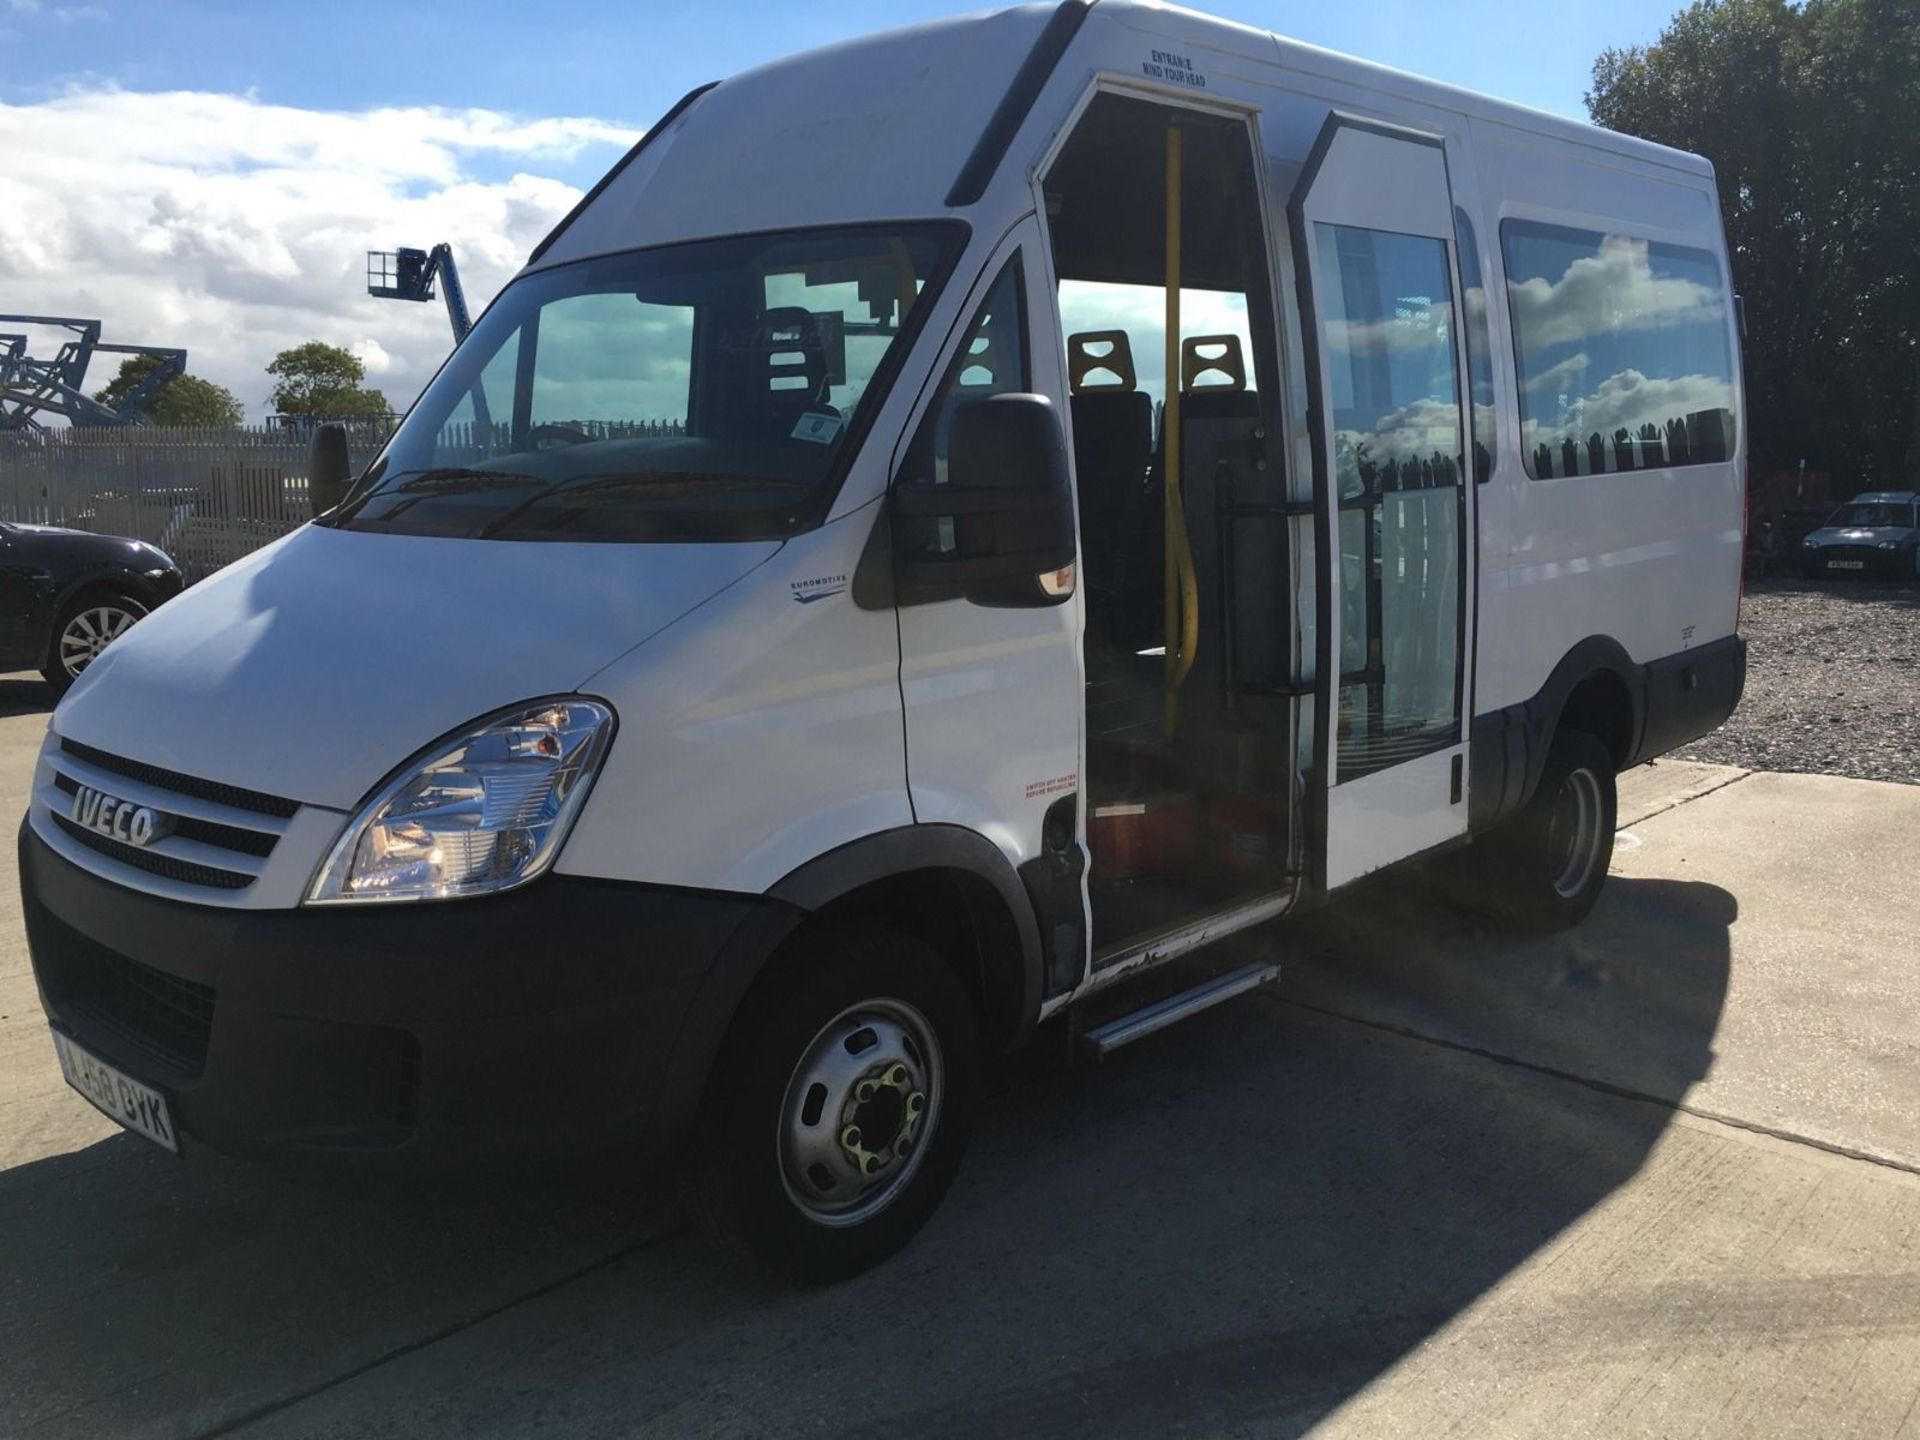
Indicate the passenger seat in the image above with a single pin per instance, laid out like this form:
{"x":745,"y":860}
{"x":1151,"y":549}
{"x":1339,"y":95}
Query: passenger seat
{"x":1113,"y":461}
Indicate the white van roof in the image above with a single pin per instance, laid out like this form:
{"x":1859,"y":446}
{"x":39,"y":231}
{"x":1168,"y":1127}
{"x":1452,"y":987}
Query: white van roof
{"x":881,"y":127}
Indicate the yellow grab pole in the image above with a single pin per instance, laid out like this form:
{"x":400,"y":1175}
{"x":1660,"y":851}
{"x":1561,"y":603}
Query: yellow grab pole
{"x":1182,"y":586}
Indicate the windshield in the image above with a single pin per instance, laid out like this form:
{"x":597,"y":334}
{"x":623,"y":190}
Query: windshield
{"x":1870,"y":515}
{"x":707,"y":391}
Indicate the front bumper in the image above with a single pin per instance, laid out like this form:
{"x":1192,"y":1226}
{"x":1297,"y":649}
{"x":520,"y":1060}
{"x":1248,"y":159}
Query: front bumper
{"x":555,"y":1023}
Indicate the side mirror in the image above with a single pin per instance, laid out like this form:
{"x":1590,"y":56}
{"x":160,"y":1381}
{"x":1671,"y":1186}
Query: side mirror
{"x":329,"y":471}
{"x":1001,"y":530}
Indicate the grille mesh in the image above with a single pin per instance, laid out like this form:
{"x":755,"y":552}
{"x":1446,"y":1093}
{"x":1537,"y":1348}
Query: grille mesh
{"x":213,"y":790}
{"x":163,"y":1017}
{"x":207,"y":832}
{"x":166,"y":866}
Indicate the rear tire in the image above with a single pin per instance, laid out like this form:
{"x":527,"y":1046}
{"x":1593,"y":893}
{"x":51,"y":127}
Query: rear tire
{"x":1545,"y":866}
{"x":85,"y":626}
{"x":839,"y":1106}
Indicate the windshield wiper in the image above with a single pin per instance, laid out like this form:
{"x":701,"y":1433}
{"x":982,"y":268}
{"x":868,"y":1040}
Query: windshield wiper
{"x":626,"y":480}
{"x":460,"y":477}
{"x":442,"y":480}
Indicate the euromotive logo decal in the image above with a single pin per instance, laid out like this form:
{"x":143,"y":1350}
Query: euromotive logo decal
{"x":805,"y":592}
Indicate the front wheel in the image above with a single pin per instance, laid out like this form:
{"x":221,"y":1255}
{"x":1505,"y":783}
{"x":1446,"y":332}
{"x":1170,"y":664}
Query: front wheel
{"x":839,"y":1106}
{"x":1547,"y":864}
{"x":84,"y":628}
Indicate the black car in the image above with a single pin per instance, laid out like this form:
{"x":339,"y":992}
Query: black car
{"x":64,"y":594}
{"x":1872,"y":534}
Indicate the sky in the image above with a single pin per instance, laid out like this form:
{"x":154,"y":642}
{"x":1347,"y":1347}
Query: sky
{"x":210,"y":173}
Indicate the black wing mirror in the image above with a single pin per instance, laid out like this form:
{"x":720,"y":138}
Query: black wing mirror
{"x":329,"y":471}
{"x":1001,"y":530}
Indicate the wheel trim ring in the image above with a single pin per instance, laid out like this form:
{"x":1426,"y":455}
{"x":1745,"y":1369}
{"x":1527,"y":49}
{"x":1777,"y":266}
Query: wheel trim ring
{"x":829,"y":1039}
{"x":89,"y":632}
{"x":1574,"y":838}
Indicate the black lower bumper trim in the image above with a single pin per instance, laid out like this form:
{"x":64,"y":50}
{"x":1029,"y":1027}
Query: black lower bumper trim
{"x":540,"y":1025}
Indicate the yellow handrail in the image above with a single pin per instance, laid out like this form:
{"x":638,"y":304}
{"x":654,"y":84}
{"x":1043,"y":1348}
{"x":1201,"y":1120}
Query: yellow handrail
{"x":1182,"y":583}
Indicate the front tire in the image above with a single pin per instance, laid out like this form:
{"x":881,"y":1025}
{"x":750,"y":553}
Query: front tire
{"x":1547,"y":865}
{"x":85,"y":626}
{"x":839,"y":1106}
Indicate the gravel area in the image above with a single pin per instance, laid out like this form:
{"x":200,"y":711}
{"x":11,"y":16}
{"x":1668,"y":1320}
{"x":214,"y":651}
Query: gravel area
{"x":1833,"y":682}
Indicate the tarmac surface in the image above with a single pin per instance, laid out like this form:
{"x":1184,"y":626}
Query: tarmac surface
{"x":1657,"y":1176}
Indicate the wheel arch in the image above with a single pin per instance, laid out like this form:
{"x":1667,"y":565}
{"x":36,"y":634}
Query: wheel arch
{"x":944,"y":884}
{"x":1596,"y":687}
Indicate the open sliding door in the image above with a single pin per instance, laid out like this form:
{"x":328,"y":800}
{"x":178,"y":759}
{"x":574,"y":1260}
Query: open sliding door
{"x":1373,"y":234}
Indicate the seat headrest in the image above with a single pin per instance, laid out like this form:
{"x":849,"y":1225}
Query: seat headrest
{"x":791,"y":347}
{"x":1094,"y":351}
{"x":1209,"y":355}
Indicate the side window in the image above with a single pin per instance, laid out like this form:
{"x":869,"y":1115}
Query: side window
{"x":1479,"y":348}
{"x":1622,"y":351}
{"x":992,"y":360}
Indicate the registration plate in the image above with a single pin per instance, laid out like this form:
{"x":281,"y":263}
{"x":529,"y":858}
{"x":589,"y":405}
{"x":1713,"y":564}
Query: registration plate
{"x":1846,"y":564}
{"x":140,"y":1108}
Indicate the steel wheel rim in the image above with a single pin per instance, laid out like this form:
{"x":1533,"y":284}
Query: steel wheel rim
{"x":89,"y":632}
{"x":876,"y":1066}
{"x":1574,"y":833}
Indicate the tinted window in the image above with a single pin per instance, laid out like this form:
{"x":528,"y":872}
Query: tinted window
{"x":706,"y":391}
{"x":1624,"y":360}
{"x":1388,"y":314}
{"x":1479,"y":347}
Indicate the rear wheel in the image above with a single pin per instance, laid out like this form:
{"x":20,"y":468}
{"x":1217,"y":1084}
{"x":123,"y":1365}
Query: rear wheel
{"x":839,"y":1106}
{"x":84,"y":628}
{"x":1546,"y":866}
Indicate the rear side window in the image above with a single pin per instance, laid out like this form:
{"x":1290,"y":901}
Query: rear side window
{"x":1622,"y":349}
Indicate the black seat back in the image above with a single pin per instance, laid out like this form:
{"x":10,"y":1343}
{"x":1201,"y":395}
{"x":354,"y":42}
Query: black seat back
{"x":1113,"y":465}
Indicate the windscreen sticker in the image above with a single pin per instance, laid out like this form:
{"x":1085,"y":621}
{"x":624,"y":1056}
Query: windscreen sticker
{"x":817,"y":427}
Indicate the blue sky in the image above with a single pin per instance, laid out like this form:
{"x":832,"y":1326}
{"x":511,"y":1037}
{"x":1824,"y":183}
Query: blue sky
{"x":626,"y":62}
{"x":210,"y":174}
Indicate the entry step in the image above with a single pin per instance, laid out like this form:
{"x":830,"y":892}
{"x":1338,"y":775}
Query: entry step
{"x":1103,"y":1040}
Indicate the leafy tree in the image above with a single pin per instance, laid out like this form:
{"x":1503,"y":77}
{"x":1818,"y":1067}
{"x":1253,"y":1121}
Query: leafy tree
{"x":1809,"y":114}
{"x":183,"y":400}
{"x":319,"y":380}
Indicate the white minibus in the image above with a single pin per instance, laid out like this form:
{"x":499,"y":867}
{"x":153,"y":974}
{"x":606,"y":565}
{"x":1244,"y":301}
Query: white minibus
{"x":952,"y":523}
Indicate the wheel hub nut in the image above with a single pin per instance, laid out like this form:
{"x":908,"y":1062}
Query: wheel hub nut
{"x":869,"y":1154}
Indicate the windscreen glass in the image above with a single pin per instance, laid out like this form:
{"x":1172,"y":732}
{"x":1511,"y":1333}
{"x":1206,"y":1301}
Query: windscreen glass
{"x":1871,"y":515}
{"x":707,"y":391}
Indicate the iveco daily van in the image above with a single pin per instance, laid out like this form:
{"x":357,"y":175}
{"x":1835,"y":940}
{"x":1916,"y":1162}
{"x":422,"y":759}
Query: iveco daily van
{"x":951,"y":523}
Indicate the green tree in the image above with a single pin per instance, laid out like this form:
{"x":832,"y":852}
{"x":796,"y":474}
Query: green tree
{"x":1810,"y":114}
{"x":322,"y":381}
{"x":183,"y":400}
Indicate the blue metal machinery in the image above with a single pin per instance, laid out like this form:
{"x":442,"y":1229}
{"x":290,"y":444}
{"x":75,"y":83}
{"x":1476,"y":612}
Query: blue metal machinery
{"x":31,"y":389}
{"x":409,"y":275}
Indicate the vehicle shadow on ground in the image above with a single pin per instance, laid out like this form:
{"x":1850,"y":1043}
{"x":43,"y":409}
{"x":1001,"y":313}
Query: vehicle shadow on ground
{"x":20,"y":695}
{"x":1233,"y":1226}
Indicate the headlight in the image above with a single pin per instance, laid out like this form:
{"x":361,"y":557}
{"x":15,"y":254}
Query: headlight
{"x":486,"y":811}
{"x":1889,"y":544}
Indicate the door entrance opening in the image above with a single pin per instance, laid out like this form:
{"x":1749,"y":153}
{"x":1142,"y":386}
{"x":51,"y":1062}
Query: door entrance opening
{"x":1161,"y":255}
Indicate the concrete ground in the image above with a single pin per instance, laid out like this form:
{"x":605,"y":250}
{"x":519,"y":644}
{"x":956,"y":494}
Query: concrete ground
{"x":1660,"y":1176}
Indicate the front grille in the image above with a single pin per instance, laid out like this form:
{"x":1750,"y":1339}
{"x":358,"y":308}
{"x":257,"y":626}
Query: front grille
{"x":165,"y":1019}
{"x":207,"y":832}
{"x":154,"y":863}
{"x":193,"y":785}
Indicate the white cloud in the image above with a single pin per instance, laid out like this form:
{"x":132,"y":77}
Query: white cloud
{"x":1609,"y":292}
{"x":237,"y":228}
{"x":1557,"y":379}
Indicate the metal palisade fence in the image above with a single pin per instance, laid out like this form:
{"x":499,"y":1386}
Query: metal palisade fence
{"x":204,"y":496}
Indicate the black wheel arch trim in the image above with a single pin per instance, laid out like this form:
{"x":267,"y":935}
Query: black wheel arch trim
{"x":910,"y":848}
{"x":1671,"y":700}
{"x":810,"y":888}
